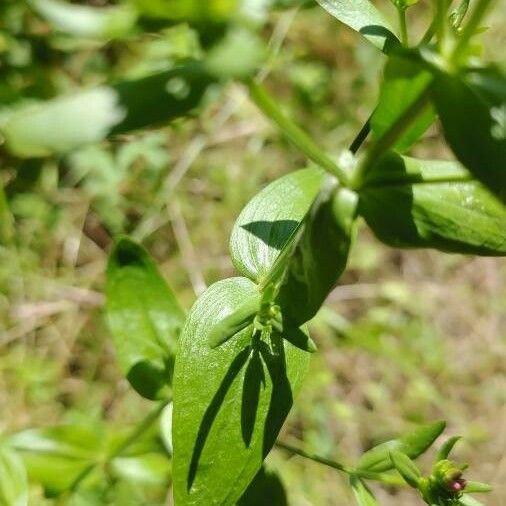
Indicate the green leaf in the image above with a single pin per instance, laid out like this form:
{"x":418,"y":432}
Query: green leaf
{"x":266,"y":488}
{"x":229,"y":403}
{"x":363,"y":496}
{"x":85,"y":21}
{"x":68,"y":122}
{"x":56,"y":457}
{"x":442,"y":209}
{"x":365,"y":18}
{"x":13,"y":481}
{"x":406,"y":468}
{"x":476,"y":487}
{"x":467,"y":500}
{"x":320,"y":255}
{"x":447,"y":447}
{"x":237,"y":56}
{"x":269,"y":220}
{"x":148,"y":468}
{"x":144,"y":317}
{"x":415,"y":443}
{"x":475,"y":127}
{"x":188,"y":10}
{"x":403,"y":83}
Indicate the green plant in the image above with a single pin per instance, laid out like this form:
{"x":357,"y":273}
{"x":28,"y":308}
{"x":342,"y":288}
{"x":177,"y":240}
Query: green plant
{"x":244,"y":348}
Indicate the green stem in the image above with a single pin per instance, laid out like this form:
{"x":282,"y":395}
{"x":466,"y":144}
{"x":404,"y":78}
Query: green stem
{"x":388,"y":139}
{"x":124,"y":445}
{"x":401,"y":11}
{"x":470,"y":28}
{"x":293,"y":132}
{"x":137,"y":431}
{"x":381,"y":477}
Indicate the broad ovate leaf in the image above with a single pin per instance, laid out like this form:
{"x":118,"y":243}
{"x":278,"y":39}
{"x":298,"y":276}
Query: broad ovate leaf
{"x":474,"y":123}
{"x":413,"y":444}
{"x":230,"y":402}
{"x":362,"y":493}
{"x":13,"y":480}
{"x":85,"y":117}
{"x":410,"y":203}
{"x":85,"y":21}
{"x":270,"y":219}
{"x":55,"y":457}
{"x":403,"y":82}
{"x":320,"y":255}
{"x":144,"y":317}
{"x":365,"y":18}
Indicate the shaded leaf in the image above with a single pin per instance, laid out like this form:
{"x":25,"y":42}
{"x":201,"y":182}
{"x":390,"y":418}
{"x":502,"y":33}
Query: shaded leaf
{"x":404,"y":81}
{"x":219,"y":448}
{"x":67,"y":122}
{"x":363,"y":496}
{"x":269,"y":220}
{"x":320,"y":255}
{"x":189,"y":10}
{"x":413,"y":444}
{"x":467,"y":500}
{"x":13,"y":481}
{"x":365,"y":18}
{"x":85,"y":21}
{"x":144,"y":317}
{"x":266,"y":488}
{"x":442,"y":209}
{"x":475,"y":127}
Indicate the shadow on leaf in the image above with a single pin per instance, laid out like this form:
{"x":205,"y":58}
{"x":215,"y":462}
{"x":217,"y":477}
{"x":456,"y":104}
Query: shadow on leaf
{"x":254,"y":379}
{"x":273,"y":233}
{"x":213,"y":410}
{"x":281,"y":397}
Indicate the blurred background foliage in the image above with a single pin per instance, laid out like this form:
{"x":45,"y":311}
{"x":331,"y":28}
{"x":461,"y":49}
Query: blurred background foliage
{"x":407,"y":337}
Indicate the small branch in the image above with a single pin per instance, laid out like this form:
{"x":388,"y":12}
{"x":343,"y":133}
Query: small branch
{"x":186,"y":247}
{"x":361,"y":136}
{"x":384,"y":143}
{"x":401,"y":11}
{"x":293,"y":132}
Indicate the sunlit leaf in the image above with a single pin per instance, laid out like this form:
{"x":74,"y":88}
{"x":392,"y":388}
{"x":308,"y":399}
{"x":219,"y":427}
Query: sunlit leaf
{"x":413,"y":444}
{"x":363,"y":496}
{"x":474,"y":124}
{"x":229,"y":403}
{"x":410,"y":203}
{"x":406,"y":468}
{"x":269,"y":219}
{"x":68,"y":122}
{"x":365,"y":18}
{"x":13,"y":481}
{"x":144,"y":317}
{"x":403,"y":82}
{"x":86,"y":21}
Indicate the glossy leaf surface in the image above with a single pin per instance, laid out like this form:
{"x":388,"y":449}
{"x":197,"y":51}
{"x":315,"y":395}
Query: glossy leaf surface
{"x":266,"y":224}
{"x":13,"y":481}
{"x":65,"y":123}
{"x":229,"y":403}
{"x":443,"y":209}
{"x":365,"y":18}
{"x":403,"y":83}
{"x":144,"y":317}
{"x":413,"y":444}
{"x":474,"y":126}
